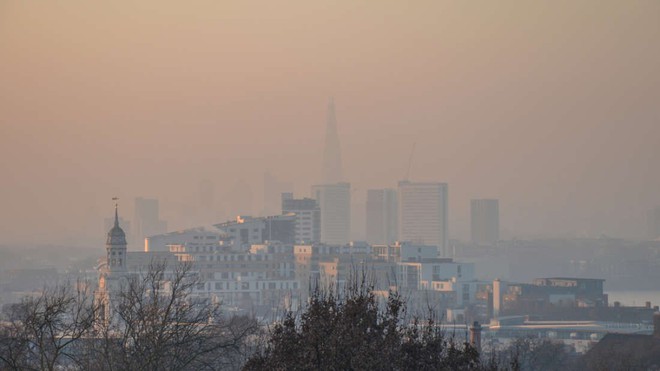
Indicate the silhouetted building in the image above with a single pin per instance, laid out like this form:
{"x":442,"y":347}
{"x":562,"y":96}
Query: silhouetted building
{"x":147,"y":220}
{"x":550,"y":296}
{"x":116,"y":247}
{"x":485,"y":221}
{"x":423,"y":214}
{"x":382,"y":216}
{"x":626,"y":351}
{"x":332,"y":168}
{"x":247,"y":231}
{"x":113,"y":269}
{"x":334,"y":201}
{"x":273,"y":189}
{"x":308,"y":217}
{"x":108,"y":223}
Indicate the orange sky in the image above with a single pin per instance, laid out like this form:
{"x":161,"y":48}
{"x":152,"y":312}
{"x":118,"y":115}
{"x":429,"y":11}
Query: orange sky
{"x":553,"y":107}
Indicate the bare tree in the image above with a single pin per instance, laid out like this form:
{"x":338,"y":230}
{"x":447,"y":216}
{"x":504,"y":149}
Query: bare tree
{"x":157,"y":323}
{"x":40,"y":333}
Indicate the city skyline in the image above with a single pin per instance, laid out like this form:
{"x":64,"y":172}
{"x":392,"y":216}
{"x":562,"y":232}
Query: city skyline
{"x":565,"y":137}
{"x":330,"y":184}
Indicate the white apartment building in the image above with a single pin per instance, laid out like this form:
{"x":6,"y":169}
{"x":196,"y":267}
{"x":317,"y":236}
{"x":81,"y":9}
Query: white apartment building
{"x":423,"y":214}
{"x":335,"y":203}
{"x":382,"y":216}
{"x":308,"y":217}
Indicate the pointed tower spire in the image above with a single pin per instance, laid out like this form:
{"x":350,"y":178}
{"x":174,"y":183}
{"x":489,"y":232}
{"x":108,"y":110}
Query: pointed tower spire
{"x":115,"y":245}
{"x":115,"y":199}
{"x":332,"y":169}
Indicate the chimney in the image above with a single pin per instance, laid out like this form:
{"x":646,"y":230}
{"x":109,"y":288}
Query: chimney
{"x":656,"y":325}
{"x":475,"y":335}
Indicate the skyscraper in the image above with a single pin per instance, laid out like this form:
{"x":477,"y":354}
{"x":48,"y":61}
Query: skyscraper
{"x":147,"y":220}
{"x":332,"y":169}
{"x":485,"y":221}
{"x":423,"y":214}
{"x":382,"y":216}
{"x":273,"y":189}
{"x":308,"y":217}
{"x":335,"y":203}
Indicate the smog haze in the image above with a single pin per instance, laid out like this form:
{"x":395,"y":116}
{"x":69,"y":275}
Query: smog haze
{"x":551,"y":107}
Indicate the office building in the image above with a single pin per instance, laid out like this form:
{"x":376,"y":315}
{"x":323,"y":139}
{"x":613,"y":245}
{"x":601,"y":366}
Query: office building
{"x":382,"y":216}
{"x":485,"y":222}
{"x":308,"y":217}
{"x":423,"y":214}
{"x":334,"y":200}
{"x":241,"y":233}
{"x":147,"y":220}
{"x":273,"y":189}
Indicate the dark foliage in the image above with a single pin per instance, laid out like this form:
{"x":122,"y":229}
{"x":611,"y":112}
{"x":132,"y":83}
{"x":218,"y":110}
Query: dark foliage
{"x":351,"y":332}
{"x":532,"y":354}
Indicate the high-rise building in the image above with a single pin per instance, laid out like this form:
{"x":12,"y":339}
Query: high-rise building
{"x":423,"y":214}
{"x":147,"y":220}
{"x":308,"y":217}
{"x":335,"y":203}
{"x":485,"y":221}
{"x":382,"y":216}
{"x":332,"y":169}
{"x":273,"y":189}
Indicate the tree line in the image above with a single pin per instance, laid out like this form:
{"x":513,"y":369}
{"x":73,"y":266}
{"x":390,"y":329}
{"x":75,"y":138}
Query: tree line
{"x":155,"y":322}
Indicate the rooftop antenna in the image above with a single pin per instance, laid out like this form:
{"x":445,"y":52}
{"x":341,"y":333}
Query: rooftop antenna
{"x":412,"y":152}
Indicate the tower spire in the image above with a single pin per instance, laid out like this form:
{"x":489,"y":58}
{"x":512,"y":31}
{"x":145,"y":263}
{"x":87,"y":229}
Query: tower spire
{"x":116,"y":200}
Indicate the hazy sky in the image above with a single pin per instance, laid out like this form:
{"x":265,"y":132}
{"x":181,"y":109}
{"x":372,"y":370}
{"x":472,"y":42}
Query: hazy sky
{"x":552,"y":107}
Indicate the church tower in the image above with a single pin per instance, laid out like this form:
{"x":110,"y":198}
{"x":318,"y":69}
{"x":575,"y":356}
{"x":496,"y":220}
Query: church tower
{"x":114,"y":270}
{"x":115,"y":247}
